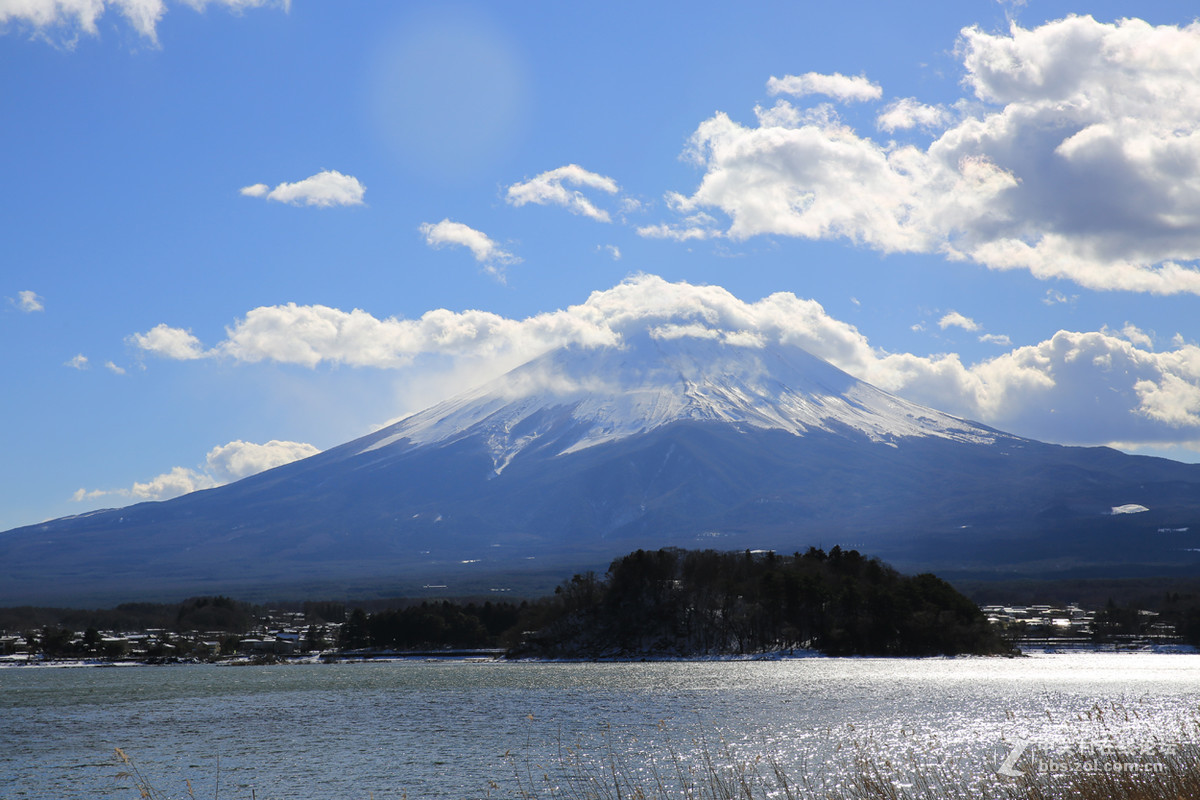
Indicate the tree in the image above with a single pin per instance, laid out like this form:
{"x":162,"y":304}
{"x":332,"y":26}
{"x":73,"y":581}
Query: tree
{"x":355,"y":633}
{"x":698,"y":602}
{"x":314,"y":639}
{"x":55,"y":642}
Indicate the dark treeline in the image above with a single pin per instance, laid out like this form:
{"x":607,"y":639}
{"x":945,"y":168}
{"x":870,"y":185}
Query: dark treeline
{"x":1158,"y":593}
{"x":197,"y":613}
{"x":194,"y":614}
{"x":432,"y":625}
{"x":667,"y":602}
{"x":1179,"y":611}
{"x":677,"y":602}
{"x":52,"y":631}
{"x":683,"y":603}
{"x":1119,"y":602}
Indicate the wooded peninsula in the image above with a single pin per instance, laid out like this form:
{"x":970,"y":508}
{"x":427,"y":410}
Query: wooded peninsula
{"x":668,"y":603}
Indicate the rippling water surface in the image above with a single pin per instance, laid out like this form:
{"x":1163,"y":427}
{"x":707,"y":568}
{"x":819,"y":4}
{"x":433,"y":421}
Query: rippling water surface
{"x":450,"y":729}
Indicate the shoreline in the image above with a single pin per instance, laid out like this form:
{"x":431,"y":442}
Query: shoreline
{"x":488,"y":656}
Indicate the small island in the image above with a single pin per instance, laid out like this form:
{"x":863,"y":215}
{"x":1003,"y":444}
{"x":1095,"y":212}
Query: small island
{"x":688,"y":603}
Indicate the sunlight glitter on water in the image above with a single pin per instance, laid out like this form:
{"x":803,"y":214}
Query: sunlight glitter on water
{"x":443,"y":729}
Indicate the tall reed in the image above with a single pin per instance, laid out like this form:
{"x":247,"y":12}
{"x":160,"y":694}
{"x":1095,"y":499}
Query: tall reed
{"x":721,"y":771}
{"x":631,"y":770}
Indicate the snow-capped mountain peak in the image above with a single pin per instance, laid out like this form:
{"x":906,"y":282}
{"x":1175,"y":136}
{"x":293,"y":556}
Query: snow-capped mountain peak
{"x":589,"y":396}
{"x":677,"y":435}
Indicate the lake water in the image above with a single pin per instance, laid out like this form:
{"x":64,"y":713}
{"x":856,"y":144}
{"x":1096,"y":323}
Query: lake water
{"x":443,"y":729}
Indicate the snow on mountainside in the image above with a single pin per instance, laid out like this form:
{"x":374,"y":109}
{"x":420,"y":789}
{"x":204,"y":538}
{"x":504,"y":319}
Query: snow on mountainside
{"x":711,"y":433}
{"x":590,"y":396}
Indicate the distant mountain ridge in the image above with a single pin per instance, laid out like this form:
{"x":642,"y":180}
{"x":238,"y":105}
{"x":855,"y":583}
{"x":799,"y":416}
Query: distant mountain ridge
{"x":681,"y":435}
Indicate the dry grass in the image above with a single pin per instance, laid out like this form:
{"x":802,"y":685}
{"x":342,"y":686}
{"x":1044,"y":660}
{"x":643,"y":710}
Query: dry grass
{"x":130,"y":772}
{"x":626,"y":770}
{"x":765,"y":779}
{"x":722,"y":772}
{"x":133,"y":774}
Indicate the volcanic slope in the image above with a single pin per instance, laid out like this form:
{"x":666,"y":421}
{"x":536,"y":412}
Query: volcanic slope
{"x":678,"y":436}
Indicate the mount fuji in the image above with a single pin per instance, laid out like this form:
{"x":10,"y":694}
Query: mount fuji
{"x":678,"y":435}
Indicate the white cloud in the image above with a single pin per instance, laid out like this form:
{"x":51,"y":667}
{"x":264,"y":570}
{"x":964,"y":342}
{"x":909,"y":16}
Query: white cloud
{"x":957,"y":320}
{"x":238,"y":459}
{"x":70,"y":18}
{"x":486,"y":251}
{"x":168,"y":342}
{"x":79,"y":361}
{"x":80,"y":16}
{"x":1172,"y":399}
{"x":179,"y":481}
{"x":29,"y":302}
{"x":1054,"y":297}
{"x":694,"y":226}
{"x":237,"y":6}
{"x":836,"y":85}
{"x":313,"y":335}
{"x":678,"y":233}
{"x":793,"y":181}
{"x":613,"y":251}
{"x":996,"y":338}
{"x":325,"y":189}
{"x":224,"y":464}
{"x":911,"y":113}
{"x":1077,"y":158}
{"x":1075,"y":387}
{"x":1136,"y":335}
{"x":113,"y":368}
{"x":548,"y":189}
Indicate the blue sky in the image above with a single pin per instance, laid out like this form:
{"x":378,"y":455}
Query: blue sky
{"x":238,"y":232}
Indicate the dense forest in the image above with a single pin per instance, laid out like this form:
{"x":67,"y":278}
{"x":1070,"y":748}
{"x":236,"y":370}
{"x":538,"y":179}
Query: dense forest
{"x":197,"y":613}
{"x":432,"y":625}
{"x":686,"y":603}
{"x":671,"y":602}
